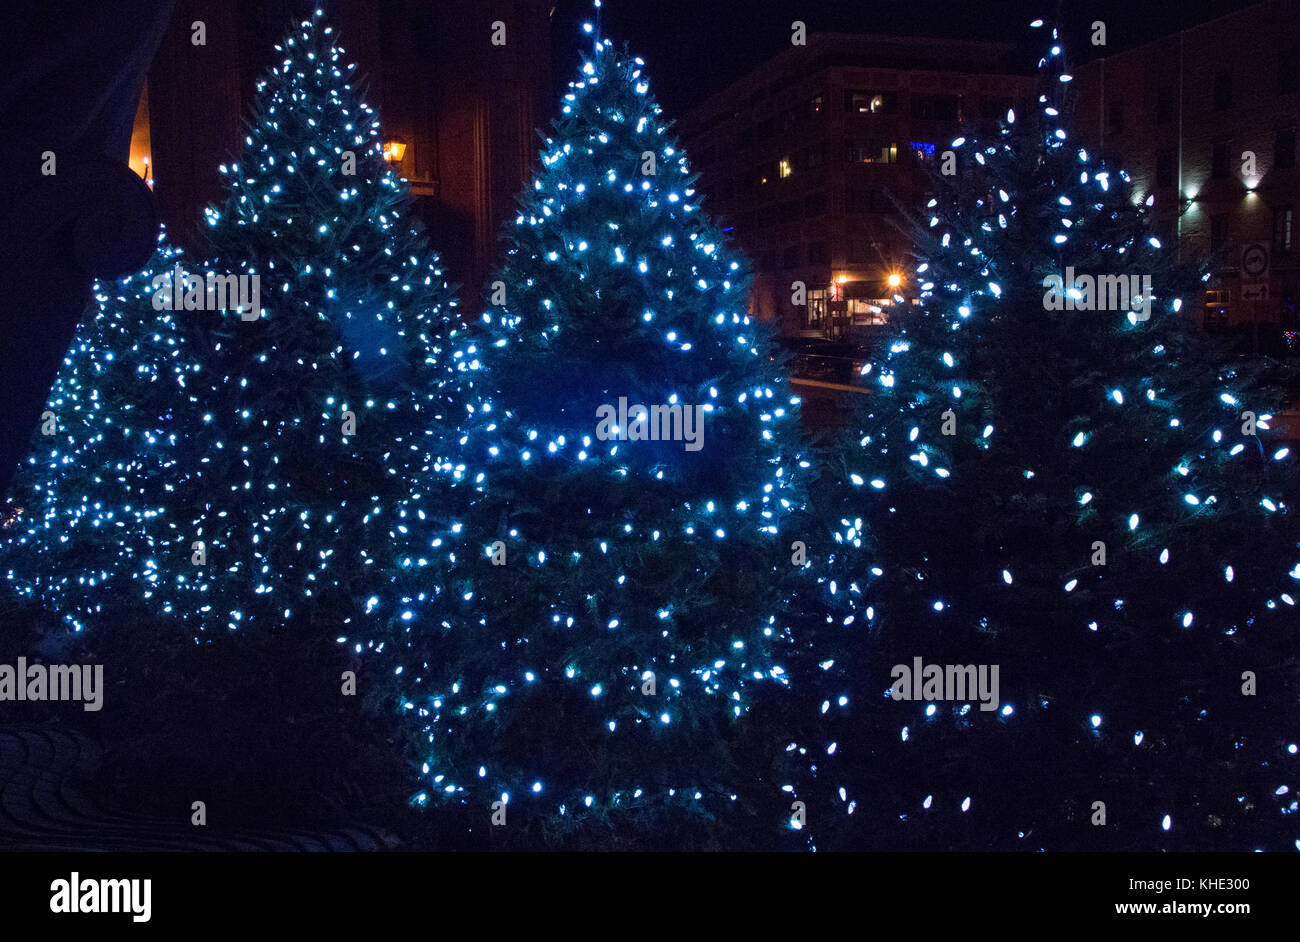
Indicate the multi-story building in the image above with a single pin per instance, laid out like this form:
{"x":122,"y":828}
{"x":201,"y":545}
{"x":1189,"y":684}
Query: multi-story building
{"x":1205,"y":121}
{"x":458,"y":112}
{"x":806,"y":160}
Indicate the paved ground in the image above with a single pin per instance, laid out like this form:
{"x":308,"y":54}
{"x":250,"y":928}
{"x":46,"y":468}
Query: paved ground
{"x":48,"y":803}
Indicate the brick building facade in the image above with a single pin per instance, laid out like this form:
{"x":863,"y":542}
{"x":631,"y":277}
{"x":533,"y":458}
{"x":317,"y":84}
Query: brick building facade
{"x":803,"y":159}
{"x":465,"y":109}
{"x":1205,"y":121}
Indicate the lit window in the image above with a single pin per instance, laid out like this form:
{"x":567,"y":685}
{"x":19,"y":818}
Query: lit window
{"x":872,"y":152}
{"x":867,"y":102}
{"x":868,"y":312}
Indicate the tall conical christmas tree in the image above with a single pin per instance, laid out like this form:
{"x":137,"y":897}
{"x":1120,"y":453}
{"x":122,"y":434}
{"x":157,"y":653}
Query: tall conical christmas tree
{"x":1072,"y":487}
{"x":97,"y":491}
{"x":314,"y":425}
{"x":626,"y":484}
{"x":325,"y":412}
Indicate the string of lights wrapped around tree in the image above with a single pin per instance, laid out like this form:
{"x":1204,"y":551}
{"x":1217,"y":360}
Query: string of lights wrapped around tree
{"x":602,"y":669}
{"x":297,"y":435}
{"x":1088,"y":499}
{"x":95,"y":492}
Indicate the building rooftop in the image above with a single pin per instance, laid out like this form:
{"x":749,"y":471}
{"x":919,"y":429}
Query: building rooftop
{"x":862,"y":50}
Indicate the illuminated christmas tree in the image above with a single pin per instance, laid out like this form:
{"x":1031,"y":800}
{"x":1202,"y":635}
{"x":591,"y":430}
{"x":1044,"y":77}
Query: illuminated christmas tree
{"x":319,"y":408}
{"x":1060,"y":476}
{"x":96,"y":492}
{"x":324,"y":412}
{"x":626,"y":494}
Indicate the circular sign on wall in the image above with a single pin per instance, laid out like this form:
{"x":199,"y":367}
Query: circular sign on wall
{"x":1254,"y":259}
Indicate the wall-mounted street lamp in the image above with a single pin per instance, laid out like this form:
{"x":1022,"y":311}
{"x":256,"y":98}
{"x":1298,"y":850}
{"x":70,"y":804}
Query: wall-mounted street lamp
{"x":394,"y":150}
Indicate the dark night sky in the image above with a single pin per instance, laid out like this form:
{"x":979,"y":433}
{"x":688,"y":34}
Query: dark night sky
{"x":693,"y":48}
